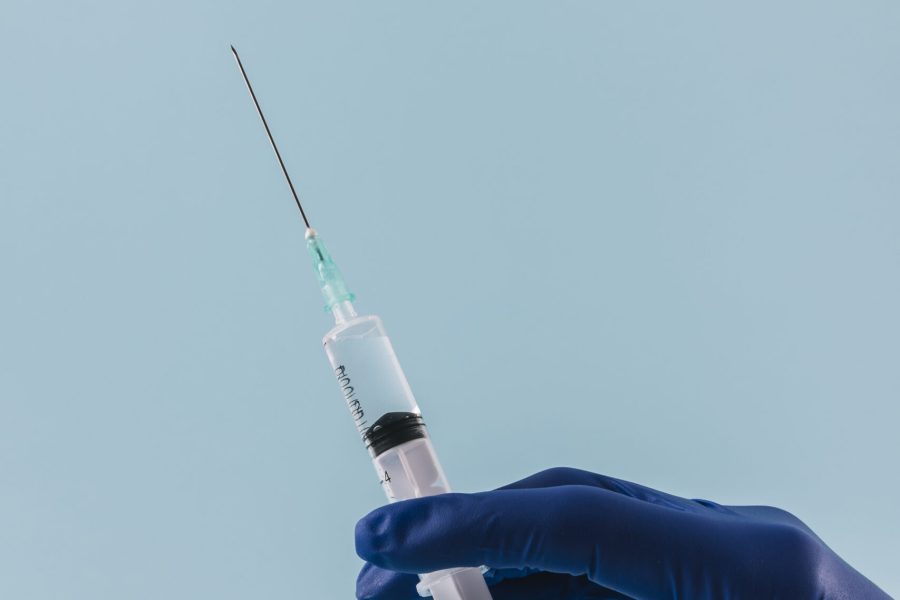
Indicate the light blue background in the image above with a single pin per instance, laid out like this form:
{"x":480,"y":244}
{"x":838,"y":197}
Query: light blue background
{"x":657,"y":240}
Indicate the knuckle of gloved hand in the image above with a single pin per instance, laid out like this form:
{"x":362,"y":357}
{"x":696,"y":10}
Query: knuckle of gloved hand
{"x":781,"y":515}
{"x":559,"y":473}
{"x":794,"y":558}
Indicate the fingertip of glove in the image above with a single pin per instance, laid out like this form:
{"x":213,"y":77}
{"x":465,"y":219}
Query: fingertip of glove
{"x":391,"y":536}
{"x":368,"y":582}
{"x":373,"y":533}
{"x":374,"y":583}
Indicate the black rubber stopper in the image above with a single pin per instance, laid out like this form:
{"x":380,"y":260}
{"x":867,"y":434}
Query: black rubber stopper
{"x":393,"y":429}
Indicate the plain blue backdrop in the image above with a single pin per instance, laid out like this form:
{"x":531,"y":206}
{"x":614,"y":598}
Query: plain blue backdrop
{"x":656,"y":240}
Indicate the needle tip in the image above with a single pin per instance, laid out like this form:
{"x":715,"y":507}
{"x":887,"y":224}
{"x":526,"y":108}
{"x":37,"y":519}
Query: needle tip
{"x":271,"y":139}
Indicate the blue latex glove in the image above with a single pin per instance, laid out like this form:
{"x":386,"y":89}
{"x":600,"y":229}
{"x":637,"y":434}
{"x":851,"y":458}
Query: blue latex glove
{"x":569,"y":534}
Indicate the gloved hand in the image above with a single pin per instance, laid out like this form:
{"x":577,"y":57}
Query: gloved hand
{"x":569,"y":534}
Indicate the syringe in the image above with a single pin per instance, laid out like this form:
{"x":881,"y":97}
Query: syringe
{"x":379,"y":398}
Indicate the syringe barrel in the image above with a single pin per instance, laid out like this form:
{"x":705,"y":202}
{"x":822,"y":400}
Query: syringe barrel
{"x":388,"y":419}
{"x":368,"y":372}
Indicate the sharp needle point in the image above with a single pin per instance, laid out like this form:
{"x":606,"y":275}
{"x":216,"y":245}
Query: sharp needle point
{"x":269,"y":134}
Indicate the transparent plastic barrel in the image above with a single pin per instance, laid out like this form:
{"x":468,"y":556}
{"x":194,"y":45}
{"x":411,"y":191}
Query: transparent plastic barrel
{"x":367,"y":371}
{"x":375,"y":390}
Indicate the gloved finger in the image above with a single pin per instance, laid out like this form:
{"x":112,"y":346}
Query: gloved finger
{"x":616,"y":540}
{"x":558,"y":476}
{"x":375,"y":583}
